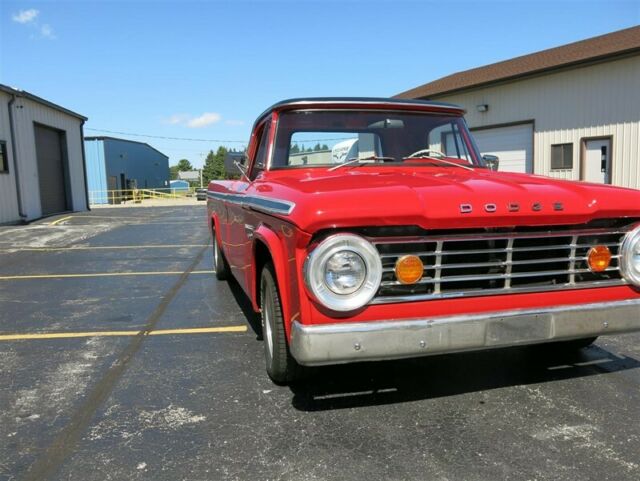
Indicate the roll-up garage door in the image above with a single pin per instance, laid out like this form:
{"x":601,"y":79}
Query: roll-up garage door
{"x":51,"y":170}
{"x":513,"y":145}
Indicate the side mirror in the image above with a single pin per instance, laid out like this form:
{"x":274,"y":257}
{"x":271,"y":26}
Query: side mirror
{"x":236,"y":163}
{"x":492,"y":161}
{"x":241,"y":165}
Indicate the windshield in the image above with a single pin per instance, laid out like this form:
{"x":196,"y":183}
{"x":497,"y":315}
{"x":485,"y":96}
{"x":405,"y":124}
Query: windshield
{"x":313,"y":138}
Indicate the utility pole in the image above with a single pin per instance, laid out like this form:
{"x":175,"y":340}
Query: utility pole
{"x":202,"y":154}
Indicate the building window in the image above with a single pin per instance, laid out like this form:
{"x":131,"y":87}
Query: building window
{"x":4,"y":161}
{"x":562,"y":157}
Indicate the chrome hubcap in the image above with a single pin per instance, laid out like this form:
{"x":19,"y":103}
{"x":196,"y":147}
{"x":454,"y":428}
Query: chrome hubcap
{"x":215,"y":251}
{"x":267,"y":313}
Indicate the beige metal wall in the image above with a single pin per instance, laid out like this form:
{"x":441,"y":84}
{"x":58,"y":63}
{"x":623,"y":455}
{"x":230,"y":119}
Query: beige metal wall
{"x":26,"y":112}
{"x":592,"y":101}
{"x":8,"y":200}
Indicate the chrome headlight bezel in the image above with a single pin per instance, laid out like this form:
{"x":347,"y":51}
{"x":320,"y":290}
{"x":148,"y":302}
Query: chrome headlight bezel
{"x":630,"y":243}
{"x":314,"y":272}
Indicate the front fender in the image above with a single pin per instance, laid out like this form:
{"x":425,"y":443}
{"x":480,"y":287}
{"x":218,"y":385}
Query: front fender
{"x":278,"y":251}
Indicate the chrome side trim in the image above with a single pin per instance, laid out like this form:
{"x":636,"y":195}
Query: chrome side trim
{"x":256,"y":202}
{"x":494,"y":292}
{"x":394,"y":339}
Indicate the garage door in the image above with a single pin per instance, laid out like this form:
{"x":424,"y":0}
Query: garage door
{"x":513,"y":145}
{"x":51,"y":170}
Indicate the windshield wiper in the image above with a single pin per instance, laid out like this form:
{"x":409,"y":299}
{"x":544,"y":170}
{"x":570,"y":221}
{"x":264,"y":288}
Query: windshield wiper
{"x":361,"y":161}
{"x":437,"y":159}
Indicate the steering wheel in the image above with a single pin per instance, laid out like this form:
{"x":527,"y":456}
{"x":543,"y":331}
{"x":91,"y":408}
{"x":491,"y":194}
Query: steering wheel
{"x":425,"y":153}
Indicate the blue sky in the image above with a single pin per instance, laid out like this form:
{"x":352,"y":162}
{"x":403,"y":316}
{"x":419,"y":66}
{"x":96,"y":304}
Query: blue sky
{"x":206,"y":69}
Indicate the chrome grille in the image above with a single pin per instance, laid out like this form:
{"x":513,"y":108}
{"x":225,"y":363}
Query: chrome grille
{"x":477,"y":264}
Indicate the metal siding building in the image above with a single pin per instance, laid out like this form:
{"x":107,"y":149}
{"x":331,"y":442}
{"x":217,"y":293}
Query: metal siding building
{"x":119,"y":164}
{"x":582,"y":103}
{"x":43,"y":172}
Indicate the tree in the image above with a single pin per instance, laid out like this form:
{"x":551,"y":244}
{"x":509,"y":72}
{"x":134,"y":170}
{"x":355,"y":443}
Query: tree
{"x":294,"y":149}
{"x":184,"y":165}
{"x":214,"y":165}
{"x":173,"y":172}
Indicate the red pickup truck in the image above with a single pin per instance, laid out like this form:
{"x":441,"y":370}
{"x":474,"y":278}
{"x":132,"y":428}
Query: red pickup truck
{"x":368,"y":229}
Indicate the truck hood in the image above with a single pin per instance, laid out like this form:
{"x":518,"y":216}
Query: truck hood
{"x":442,"y":198}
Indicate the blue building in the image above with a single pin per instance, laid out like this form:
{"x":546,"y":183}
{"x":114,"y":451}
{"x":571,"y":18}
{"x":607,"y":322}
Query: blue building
{"x":119,"y":164}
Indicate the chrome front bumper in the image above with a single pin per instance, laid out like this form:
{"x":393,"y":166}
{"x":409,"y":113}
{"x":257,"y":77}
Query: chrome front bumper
{"x":370,"y":341}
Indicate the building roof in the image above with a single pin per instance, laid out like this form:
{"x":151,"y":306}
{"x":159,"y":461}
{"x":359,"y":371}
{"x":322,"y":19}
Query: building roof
{"x":106,"y":137}
{"x":615,"y":44}
{"x":40,"y":100}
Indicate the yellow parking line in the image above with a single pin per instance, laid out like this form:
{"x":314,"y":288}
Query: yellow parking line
{"x":87,"y":248}
{"x":56,"y":222}
{"x":198,"y":330}
{"x":65,"y":335}
{"x":92,"y":216}
{"x":100,"y":274}
{"x":133,"y":219}
{"x":160,"y":332}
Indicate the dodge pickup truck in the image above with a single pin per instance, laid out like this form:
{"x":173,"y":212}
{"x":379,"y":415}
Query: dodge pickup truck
{"x":366,"y":229}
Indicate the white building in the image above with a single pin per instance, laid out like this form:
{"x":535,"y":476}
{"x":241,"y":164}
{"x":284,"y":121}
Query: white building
{"x":42,"y":169}
{"x":570,"y":112}
{"x":190,"y":175}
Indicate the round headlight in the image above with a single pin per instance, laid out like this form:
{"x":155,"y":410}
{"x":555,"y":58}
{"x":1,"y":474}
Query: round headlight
{"x":630,"y":256}
{"x":343,"y":272}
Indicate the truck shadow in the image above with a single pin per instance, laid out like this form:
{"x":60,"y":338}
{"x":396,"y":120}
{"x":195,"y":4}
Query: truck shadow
{"x":244,"y":303}
{"x":388,"y":382}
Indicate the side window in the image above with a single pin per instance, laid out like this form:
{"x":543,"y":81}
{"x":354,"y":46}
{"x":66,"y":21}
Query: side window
{"x":4,"y":161}
{"x":261,"y":154}
{"x":561,"y":156}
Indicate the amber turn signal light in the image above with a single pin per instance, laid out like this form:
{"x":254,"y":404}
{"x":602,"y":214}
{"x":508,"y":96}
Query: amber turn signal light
{"x":409,"y":269}
{"x":599,"y":258}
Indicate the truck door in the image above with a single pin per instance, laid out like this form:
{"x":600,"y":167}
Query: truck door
{"x":241,"y":220}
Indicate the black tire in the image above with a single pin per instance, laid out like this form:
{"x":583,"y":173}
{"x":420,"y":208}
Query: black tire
{"x":565,"y":346}
{"x":579,"y":343}
{"x":219,"y":261}
{"x":282,"y":368}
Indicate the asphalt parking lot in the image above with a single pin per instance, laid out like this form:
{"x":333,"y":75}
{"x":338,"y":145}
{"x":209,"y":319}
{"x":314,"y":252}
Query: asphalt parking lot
{"x":121,"y":357}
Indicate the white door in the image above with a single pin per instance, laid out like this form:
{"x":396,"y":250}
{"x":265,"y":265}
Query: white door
{"x":512,"y":145}
{"x":597,"y":161}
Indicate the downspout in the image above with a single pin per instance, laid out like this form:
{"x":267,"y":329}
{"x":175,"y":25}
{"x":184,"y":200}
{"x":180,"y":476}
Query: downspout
{"x":84,"y":165}
{"x":15,"y":159}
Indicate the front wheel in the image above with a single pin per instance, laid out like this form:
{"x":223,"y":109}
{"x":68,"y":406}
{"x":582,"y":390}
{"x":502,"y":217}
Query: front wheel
{"x":219,"y":262}
{"x":282,"y":368}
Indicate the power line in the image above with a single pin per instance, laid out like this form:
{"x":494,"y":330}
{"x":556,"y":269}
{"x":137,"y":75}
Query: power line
{"x":166,"y":138}
{"x":207,"y":140}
